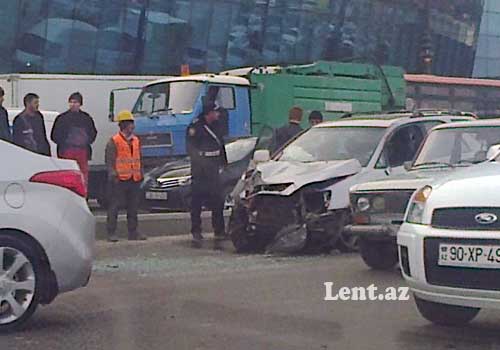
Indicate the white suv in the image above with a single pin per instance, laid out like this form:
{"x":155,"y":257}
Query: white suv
{"x":449,"y":245}
{"x":47,"y":232}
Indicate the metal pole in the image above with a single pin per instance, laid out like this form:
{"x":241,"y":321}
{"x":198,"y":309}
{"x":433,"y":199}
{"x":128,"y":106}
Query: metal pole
{"x":141,"y":37}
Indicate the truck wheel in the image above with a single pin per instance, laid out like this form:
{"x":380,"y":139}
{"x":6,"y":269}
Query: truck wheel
{"x":444,"y":314}
{"x":20,"y":282}
{"x":378,"y":255}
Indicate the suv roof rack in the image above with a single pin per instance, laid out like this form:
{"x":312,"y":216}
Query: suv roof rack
{"x":371,"y":114}
{"x":417,"y":113}
{"x":433,"y":112}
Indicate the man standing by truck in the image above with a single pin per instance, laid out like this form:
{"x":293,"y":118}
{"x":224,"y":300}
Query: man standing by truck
{"x":205,"y":147}
{"x":74,"y":132}
{"x":287,"y":132}
{"x":124,"y":163}
{"x":29,"y":128}
{"x":4,"y":120}
{"x":315,"y":118}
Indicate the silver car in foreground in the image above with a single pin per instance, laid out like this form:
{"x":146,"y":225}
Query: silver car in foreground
{"x":47,"y":232}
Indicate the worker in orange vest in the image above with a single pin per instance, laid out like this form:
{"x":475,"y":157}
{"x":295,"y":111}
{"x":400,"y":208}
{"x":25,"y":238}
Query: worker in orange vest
{"x":125,"y":173}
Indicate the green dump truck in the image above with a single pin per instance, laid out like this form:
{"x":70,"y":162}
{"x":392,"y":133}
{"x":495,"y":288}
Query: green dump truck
{"x":334,"y":88}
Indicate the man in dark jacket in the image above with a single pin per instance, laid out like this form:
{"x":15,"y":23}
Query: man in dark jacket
{"x":287,"y":132}
{"x":29,"y":127}
{"x":315,"y":118}
{"x":205,"y":146}
{"x":4,"y":120}
{"x":74,"y":132}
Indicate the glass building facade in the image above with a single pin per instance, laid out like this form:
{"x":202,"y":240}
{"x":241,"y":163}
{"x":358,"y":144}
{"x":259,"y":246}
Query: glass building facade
{"x":487,"y":62}
{"x":158,"y":36}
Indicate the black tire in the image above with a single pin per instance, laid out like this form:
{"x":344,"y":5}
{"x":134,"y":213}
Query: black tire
{"x":444,"y":314}
{"x":25,"y":247}
{"x":378,"y":255}
{"x":242,"y":241}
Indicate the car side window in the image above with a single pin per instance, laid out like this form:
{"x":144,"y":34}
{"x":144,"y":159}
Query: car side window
{"x":223,"y":96}
{"x":404,"y":143}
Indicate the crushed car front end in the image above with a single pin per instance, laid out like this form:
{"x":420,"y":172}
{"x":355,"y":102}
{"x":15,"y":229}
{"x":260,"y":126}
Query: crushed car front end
{"x":292,"y":215}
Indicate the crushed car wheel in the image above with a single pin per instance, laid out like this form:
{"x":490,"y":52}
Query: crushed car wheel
{"x":378,"y":255}
{"x":242,"y":241}
{"x":20,"y":274}
{"x":444,"y":314}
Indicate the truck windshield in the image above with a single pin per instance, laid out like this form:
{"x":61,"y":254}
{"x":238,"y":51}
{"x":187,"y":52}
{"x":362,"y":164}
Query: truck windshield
{"x":457,"y":146}
{"x":175,"y":97}
{"x":334,"y":143}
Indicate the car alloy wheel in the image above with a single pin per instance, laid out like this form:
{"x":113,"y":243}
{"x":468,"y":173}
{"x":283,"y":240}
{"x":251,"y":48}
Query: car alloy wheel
{"x":18,"y":282}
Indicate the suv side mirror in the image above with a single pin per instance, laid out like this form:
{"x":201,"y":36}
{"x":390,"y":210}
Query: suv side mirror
{"x":261,"y":156}
{"x":493,"y":152}
{"x":407,"y":165}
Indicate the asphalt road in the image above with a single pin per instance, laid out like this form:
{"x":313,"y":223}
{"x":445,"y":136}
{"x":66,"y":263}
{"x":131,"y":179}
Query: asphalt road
{"x":163,"y":294}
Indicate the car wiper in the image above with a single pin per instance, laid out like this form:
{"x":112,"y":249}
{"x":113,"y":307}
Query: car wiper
{"x":449,"y":165}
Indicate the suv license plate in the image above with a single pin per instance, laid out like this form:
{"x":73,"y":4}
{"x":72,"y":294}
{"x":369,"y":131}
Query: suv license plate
{"x":473,"y":256}
{"x":162,"y":196}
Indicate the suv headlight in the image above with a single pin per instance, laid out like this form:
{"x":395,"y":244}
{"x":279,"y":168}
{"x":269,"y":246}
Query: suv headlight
{"x":363,"y":204}
{"x":417,"y":205}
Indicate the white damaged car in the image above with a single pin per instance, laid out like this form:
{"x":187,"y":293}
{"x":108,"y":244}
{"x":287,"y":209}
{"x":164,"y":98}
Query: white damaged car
{"x":300,"y":197}
{"x":449,"y":245}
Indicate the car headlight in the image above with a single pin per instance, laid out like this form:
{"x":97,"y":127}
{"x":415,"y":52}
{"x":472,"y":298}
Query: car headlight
{"x":363,"y":204}
{"x":378,"y":204}
{"x":417,"y":205}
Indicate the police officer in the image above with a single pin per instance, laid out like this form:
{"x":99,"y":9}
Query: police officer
{"x":205,"y":147}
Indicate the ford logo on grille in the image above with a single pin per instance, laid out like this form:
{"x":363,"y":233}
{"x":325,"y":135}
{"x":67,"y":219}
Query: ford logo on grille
{"x":486,"y":218}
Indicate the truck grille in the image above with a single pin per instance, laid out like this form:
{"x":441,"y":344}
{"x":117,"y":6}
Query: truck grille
{"x":458,"y":277}
{"x":463,"y":218}
{"x":156,"y":140}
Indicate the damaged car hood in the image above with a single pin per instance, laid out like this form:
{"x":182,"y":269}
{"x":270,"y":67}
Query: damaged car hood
{"x":299,"y":174}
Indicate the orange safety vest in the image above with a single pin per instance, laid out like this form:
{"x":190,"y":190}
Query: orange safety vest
{"x":128,"y":159}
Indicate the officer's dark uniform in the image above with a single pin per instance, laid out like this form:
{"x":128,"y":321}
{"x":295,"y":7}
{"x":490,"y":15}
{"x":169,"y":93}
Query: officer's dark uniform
{"x":205,"y":146}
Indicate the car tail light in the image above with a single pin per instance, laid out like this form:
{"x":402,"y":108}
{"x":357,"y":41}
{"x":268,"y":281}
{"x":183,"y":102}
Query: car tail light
{"x":70,"y":179}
